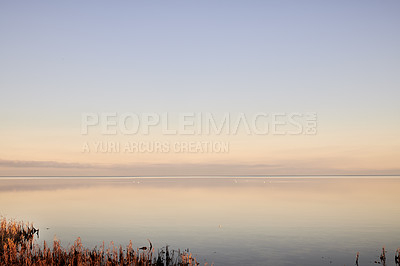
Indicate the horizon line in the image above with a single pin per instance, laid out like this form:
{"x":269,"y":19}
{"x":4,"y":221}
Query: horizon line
{"x":192,"y":175}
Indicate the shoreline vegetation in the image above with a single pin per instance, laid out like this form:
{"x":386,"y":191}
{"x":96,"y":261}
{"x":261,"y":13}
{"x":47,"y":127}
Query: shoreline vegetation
{"x":18,"y":247}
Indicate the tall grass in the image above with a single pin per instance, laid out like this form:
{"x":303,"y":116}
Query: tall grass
{"x":18,"y":247}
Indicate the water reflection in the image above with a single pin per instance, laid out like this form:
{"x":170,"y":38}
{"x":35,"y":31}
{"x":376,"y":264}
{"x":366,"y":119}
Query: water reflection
{"x":236,"y":221}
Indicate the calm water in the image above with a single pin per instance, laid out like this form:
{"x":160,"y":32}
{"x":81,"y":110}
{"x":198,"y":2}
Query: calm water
{"x":228,"y":221}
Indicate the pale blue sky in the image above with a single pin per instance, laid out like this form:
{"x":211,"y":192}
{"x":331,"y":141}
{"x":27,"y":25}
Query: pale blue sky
{"x":340,"y":59}
{"x":202,"y":55}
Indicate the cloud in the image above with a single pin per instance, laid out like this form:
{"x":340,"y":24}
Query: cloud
{"x":141,"y":168}
{"x":54,"y":168}
{"x":42,"y":164}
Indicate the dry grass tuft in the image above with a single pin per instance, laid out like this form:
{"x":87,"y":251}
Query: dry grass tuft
{"x":18,"y":247}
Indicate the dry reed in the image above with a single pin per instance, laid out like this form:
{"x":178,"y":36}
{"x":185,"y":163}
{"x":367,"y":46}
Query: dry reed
{"x":18,"y":247}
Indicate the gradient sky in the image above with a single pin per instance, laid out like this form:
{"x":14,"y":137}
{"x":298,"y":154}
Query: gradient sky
{"x":340,"y":59}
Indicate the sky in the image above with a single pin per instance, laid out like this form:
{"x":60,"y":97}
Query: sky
{"x":338,"y":59}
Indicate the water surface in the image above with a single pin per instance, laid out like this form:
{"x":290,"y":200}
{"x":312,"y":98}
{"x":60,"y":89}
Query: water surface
{"x":225,"y":220}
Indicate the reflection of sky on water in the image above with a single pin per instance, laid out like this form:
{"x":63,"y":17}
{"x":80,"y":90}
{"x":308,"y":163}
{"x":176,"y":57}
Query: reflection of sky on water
{"x":274,"y":221}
